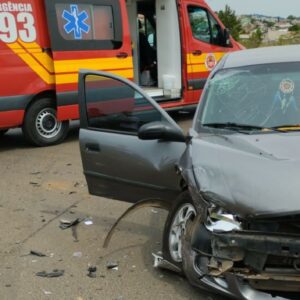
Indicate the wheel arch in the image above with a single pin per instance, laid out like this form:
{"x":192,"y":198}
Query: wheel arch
{"x":183,"y":185}
{"x":49,"y":136}
{"x":44,"y":94}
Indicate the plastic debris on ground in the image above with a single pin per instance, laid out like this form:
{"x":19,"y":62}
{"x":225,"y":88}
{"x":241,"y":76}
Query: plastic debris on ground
{"x":54,"y":273}
{"x":88,"y":222}
{"x":77,"y":254}
{"x":92,"y":272}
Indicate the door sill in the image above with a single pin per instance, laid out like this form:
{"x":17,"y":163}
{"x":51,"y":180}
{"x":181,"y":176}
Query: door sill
{"x":157,"y":94}
{"x":153,"y":91}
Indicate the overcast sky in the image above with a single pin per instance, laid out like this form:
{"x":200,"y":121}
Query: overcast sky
{"x":282,"y":8}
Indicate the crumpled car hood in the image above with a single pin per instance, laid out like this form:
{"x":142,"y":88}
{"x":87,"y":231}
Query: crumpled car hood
{"x":253,"y":175}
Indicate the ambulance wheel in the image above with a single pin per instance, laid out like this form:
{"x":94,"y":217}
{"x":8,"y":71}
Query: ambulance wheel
{"x":41,"y":127}
{"x":183,"y":210}
{"x":2,"y":132}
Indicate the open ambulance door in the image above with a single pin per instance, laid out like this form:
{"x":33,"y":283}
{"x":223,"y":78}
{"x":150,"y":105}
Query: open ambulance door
{"x":86,"y":34}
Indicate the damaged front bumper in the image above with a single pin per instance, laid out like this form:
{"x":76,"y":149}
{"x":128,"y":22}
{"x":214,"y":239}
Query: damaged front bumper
{"x":242,"y":264}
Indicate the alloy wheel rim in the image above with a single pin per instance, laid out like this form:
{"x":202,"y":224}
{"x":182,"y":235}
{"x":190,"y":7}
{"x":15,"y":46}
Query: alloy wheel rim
{"x":184,"y":213}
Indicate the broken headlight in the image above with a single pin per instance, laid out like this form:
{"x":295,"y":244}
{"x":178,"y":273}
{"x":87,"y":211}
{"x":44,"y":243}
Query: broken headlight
{"x":220,"y":220}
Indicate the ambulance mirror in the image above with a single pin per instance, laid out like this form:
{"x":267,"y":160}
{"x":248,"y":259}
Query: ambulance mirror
{"x":226,"y":38}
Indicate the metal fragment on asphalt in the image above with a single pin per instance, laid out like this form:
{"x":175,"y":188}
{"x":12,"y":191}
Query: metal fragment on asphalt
{"x":112,"y":265}
{"x":160,"y":262}
{"x":37,"y":253}
{"x":64,"y":224}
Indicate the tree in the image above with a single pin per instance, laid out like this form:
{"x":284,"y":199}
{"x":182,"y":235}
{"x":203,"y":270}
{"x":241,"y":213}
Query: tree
{"x":268,"y":23}
{"x":291,"y":17}
{"x":256,"y":38}
{"x":295,"y":28}
{"x":230,"y":20}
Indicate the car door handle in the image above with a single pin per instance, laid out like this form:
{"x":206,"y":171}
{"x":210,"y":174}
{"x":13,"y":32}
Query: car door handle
{"x":197,"y":52}
{"x":122,"y":55}
{"x":91,"y":147}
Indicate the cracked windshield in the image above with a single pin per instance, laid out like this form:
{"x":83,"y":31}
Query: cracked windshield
{"x":261,"y":95}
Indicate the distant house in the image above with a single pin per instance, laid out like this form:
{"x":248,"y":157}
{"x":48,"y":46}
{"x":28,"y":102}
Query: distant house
{"x":273,"y":35}
{"x":244,"y":36}
{"x":283,"y":25}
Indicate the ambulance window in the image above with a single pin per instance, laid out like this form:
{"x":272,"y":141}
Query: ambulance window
{"x":94,"y":22}
{"x":89,"y":25}
{"x":216,"y":31}
{"x":199,"y":23}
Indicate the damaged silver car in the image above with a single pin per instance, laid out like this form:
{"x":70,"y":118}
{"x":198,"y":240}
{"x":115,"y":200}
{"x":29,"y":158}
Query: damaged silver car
{"x":232,"y":184}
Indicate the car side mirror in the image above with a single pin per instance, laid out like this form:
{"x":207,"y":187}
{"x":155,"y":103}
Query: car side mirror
{"x":161,"y":131}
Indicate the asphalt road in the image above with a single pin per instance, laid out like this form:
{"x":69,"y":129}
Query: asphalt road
{"x":41,"y":186}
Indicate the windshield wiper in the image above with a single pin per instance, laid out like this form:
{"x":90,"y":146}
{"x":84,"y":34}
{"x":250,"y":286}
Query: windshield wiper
{"x":231,"y":125}
{"x":240,"y":127}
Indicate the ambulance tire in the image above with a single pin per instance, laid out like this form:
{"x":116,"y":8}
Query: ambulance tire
{"x":2,"y":132}
{"x":41,"y":128}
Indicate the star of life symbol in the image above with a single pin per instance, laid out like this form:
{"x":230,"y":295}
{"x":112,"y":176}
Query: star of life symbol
{"x":76,"y":21}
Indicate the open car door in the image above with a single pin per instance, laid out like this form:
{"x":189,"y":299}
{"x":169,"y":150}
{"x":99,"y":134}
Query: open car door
{"x":116,"y":162}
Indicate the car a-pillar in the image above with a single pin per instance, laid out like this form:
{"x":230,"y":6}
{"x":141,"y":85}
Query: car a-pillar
{"x":40,"y":126}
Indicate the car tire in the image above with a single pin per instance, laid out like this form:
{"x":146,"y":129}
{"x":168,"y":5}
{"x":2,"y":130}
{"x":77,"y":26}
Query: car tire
{"x":182,"y":210}
{"x":41,"y":127}
{"x":2,"y":132}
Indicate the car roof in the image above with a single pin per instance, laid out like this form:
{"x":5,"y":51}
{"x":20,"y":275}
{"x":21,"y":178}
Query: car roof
{"x":266,"y":55}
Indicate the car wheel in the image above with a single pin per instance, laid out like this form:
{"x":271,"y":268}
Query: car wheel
{"x":41,"y":127}
{"x":2,"y":132}
{"x":183,"y":210}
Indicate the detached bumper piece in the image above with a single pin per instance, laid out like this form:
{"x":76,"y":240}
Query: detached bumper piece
{"x":261,"y":258}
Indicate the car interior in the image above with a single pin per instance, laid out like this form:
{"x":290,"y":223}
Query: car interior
{"x":150,"y":24}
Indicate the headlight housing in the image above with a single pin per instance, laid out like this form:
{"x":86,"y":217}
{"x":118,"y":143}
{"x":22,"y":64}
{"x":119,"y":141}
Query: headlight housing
{"x":220,"y":220}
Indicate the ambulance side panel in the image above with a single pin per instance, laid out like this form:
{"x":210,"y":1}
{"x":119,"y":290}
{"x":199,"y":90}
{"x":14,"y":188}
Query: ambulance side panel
{"x":26,"y":63}
{"x":99,"y":41}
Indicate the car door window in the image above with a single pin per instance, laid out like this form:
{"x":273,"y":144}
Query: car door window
{"x":204,"y":26}
{"x":199,"y":23}
{"x":113,"y":105}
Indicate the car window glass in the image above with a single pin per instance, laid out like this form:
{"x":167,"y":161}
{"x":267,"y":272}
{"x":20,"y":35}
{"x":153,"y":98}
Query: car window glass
{"x":115,"y":106}
{"x":199,"y":23}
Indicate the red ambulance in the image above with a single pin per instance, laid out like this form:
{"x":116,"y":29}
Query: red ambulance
{"x":167,"y":46}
